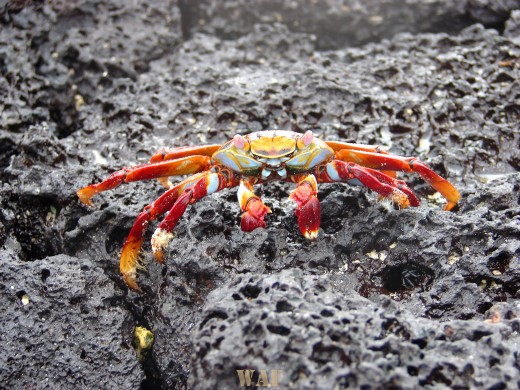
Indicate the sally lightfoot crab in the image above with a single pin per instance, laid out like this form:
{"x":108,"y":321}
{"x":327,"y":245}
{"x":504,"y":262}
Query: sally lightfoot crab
{"x":258,"y":158}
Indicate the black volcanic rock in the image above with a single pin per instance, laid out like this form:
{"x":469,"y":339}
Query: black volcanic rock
{"x":384,"y":298}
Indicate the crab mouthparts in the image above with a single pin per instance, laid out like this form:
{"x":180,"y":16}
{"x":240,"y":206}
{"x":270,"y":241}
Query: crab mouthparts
{"x":267,"y":171}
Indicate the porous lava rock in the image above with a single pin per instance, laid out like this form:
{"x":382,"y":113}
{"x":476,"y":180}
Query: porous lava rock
{"x":384,"y":298}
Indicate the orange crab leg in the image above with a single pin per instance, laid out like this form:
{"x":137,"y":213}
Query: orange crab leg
{"x":337,"y":146}
{"x":184,"y":151}
{"x":180,"y":166}
{"x":180,"y":152}
{"x":200,"y":186}
{"x":388,"y":187}
{"x":404,"y":164}
{"x":252,"y":206}
{"x":308,"y":207}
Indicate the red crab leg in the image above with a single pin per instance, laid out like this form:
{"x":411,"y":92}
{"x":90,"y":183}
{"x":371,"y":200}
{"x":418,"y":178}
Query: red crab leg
{"x":181,"y":166}
{"x":388,"y":187}
{"x":338,"y":146}
{"x":134,"y":241}
{"x":404,"y":164}
{"x":179,"y":152}
{"x":204,"y":184}
{"x":308,"y":207}
{"x":252,"y":206}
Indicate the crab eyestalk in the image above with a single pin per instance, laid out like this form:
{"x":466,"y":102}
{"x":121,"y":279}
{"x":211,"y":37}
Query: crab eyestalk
{"x":305,"y":140}
{"x":240,"y":142}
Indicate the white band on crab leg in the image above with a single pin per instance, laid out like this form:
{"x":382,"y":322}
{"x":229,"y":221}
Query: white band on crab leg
{"x":206,"y":185}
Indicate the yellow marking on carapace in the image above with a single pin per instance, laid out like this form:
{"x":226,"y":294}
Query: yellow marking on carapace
{"x":277,"y":146}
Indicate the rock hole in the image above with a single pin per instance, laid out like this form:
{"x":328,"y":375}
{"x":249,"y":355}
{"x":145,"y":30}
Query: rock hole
{"x":34,"y":227}
{"x":20,"y":294}
{"x":250,"y":291}
{"x":324,"y":354}
{"x":268,"y":250}
{"x":326,"y":313}
{"x":45,"y":273}
{"x":279,"y":329}
{"x":478,"y":334}
{"x":493,"y":361}
{"x":405,"y":277}
{"x":436,"y":376}
{"x":215,"y":314}
{"x":282,"y":306}
{"x":421,"y":343}
{"x":499,"y":262}
{"x":7,"y":149}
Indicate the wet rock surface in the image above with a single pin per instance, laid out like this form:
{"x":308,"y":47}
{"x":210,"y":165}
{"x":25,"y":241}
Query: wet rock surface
{"x":384,"y":298}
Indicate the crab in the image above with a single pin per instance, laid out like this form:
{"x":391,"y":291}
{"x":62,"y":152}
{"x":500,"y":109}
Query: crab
{"x":258,"y":158}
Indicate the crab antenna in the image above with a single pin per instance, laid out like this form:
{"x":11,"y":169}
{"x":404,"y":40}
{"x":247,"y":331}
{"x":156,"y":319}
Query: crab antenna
{"x":239,"y":141}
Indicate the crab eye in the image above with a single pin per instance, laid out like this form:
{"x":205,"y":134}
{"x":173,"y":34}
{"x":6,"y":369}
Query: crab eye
{"x":306,"y":139}
{"x":239,"y":141}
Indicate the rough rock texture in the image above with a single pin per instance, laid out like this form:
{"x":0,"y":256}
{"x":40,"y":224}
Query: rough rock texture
{"x":384,"y":298}
{"x":322,"y":339}
{"x":339,"y":23}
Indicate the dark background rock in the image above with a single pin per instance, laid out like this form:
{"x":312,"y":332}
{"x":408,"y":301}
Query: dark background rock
{"x":412,"y":298}
{"x":340,"y":23}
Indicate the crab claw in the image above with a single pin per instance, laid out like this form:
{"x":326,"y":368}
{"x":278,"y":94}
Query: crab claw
{"x":254,"y":215}
{"x":309,"y":218}
{"x":252,"y":206}
{"x":308,"y":207}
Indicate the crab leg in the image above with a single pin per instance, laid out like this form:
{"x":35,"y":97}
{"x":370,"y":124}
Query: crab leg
{"x":388,"y":187}
{"x":338,"y":146}
{"x":308,"y":207}
{"x":252,"y":206}
{"x":184,"y":151}
{"x":180,"y":166}
{"x":134,"y":241}
{"x":165,"y":154}
{"x":204,"y":184}
{"x":404,"y":164}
